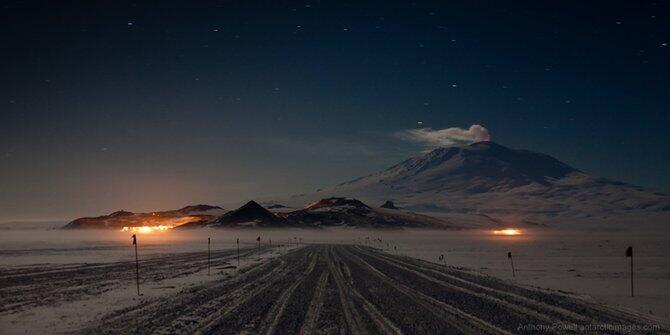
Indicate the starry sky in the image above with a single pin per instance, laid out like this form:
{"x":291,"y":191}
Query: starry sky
{"x":156,"y":105}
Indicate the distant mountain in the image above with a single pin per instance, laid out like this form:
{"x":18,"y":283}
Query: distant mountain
{"x":339,"y":203}
{"x":249,"y":215}
{"x":195,"y":209}
{"x":330,"y":212}
{"x":504,"y":186}
{"x":389,"y":204}
{"x":346,"y":212}
{"x":277,"y":206}
{"x":120,"y":219}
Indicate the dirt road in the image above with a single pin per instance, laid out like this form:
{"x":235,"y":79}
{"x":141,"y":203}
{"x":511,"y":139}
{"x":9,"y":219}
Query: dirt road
{"x":335,"y":289}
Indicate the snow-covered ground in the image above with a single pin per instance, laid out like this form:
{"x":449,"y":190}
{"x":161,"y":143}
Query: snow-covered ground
{"x":589,"y":263}
{"x":585,"y":262}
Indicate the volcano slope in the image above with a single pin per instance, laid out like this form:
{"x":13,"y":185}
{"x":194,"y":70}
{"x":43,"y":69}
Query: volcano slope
{"x":336,"y":289}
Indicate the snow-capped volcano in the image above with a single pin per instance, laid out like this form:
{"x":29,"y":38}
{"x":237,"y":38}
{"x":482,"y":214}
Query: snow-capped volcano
{"x":489,"y":179}
{"x":477,"y":168}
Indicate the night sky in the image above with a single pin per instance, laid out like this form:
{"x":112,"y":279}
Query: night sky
{"x":137,"y":106}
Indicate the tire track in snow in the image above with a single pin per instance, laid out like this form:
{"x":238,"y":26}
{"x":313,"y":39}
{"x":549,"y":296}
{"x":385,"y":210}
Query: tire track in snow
{"x":581,"y":315}
{"x":343,"y":289}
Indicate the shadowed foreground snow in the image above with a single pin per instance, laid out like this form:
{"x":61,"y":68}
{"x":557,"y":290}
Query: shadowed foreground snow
{"x":318,"y":288}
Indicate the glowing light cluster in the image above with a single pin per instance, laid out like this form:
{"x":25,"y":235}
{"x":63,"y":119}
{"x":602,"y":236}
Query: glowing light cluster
{"x":507,"y":232}
{"x":146,"y":229}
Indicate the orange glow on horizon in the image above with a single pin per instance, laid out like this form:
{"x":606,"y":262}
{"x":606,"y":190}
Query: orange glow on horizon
{"x":157,"y":223}
{"x":507,"y":232}
{"x":146,"y":229}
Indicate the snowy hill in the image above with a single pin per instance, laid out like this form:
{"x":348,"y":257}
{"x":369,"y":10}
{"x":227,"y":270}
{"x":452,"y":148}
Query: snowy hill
{"x":504,"y":186}
{"x":249,"y":215}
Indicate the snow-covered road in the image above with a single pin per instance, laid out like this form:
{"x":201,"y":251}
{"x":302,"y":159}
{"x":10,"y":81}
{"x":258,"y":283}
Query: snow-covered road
{"x":333,"y":289}
{"x":317,"y":289}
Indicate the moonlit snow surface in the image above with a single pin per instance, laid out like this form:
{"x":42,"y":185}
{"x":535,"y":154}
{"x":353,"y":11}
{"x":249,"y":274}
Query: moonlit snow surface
{"x":588,"y":263}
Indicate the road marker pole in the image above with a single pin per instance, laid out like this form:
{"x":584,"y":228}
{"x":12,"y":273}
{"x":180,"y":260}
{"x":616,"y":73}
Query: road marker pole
{"x":238,"y":252}
{"x":629,"y":253}
{"x":137,"y":265}
{"x":208,"y":255}
{"x":509,"y":255}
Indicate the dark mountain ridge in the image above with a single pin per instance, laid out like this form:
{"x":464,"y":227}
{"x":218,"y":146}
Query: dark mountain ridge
{"x":330,"y":212}
{"x":120,"y":219}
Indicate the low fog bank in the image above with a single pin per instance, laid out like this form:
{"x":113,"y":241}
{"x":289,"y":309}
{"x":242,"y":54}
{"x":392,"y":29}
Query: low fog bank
{"x":31,"y":225}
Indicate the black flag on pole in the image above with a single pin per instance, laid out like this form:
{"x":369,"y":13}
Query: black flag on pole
{"x":629,"y":253}
{"x":137,"y":265}
{"x":509,"y":254}
{"x":258,"y":238}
